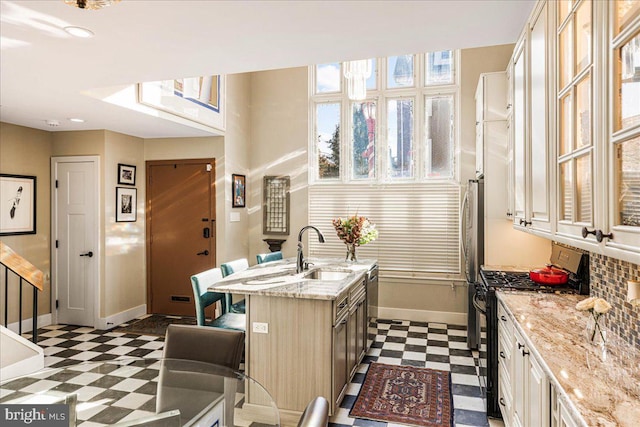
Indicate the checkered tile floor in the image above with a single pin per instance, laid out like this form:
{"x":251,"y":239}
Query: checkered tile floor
{"x":430,"y":345}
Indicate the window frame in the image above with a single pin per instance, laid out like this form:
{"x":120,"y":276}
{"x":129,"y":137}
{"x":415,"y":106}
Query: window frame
{"x":418,"y":92}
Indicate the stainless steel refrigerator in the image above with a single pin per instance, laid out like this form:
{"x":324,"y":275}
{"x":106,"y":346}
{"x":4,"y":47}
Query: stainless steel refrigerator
{"x":472,"y":244}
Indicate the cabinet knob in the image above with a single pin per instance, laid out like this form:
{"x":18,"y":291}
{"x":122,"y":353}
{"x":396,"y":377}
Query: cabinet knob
{"x":600,"y":236}
{"x":586,"y":232}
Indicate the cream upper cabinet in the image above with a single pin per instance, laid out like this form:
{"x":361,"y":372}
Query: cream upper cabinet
{"x":530,"y":130}
{"x":519,"y":133}
{"x":575,"y":125}
{"x":539,"y":210}
{"x":624,"y":138}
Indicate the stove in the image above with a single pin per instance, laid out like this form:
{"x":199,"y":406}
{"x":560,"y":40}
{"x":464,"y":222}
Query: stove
{"x":485,"y":303}
{"x":520,"y":281}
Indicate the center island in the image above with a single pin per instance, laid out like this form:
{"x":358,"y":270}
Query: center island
{"x":307,"y":331}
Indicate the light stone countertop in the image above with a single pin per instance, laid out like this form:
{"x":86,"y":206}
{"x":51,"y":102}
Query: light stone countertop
{"x":279,"y":279}
{"x":597,"y":392}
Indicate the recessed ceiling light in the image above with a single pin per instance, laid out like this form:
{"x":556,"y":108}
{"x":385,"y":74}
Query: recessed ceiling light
{"x":76,"y":120}
{"x":79,"y":32}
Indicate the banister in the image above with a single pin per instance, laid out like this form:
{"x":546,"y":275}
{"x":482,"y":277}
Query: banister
{"x":21,"y":266}
{"x":27,"y":272}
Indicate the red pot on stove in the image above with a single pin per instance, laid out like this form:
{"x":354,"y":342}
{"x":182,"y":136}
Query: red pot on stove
{"x":549,"y":276}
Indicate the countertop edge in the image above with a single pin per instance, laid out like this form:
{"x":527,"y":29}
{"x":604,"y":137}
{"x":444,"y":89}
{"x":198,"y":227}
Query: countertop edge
{"x":326,"y":290}
{"x":562,"y":393}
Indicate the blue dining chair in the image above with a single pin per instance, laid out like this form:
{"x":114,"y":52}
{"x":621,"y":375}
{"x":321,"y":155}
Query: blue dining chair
{"x":228,"y":268}
{"x":271,"y":256}
{"x":203,"y":299}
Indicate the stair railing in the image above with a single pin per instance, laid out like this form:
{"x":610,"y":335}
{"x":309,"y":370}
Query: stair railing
{"x":28,"y":273}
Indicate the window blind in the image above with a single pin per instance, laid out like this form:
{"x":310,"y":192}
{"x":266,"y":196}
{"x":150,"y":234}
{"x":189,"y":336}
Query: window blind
{"x":417,"y":223}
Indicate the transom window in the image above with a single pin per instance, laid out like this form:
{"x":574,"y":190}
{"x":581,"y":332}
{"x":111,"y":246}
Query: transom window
{"x":405,"y":129}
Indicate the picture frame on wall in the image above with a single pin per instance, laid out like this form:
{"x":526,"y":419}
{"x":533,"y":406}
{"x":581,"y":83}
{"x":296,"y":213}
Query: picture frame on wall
{"x":17,"y":204}
{"x":238,"y":190}
{"x":126,"y":202}
{"x":126,"y":174}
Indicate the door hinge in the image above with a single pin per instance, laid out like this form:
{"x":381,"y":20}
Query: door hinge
{"x":57,"y":244}
{"x":56,"y":183}
{"x":57,"y":303}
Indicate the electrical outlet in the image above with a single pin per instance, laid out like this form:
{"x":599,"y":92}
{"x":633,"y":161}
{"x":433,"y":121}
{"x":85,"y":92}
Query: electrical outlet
{"x":260,"y":328}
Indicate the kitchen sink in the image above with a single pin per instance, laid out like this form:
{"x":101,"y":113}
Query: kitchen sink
{"x":321,"y":274}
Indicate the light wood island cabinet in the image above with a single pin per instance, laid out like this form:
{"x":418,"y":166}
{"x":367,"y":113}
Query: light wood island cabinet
{"x":312,"y":347}
{"x":306,"y":332}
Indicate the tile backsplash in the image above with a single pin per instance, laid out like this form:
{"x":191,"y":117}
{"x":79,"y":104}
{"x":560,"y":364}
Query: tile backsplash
{"x":609,"y":278}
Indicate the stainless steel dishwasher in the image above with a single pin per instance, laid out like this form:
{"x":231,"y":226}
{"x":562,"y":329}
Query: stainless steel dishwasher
{"x":372,"y":303}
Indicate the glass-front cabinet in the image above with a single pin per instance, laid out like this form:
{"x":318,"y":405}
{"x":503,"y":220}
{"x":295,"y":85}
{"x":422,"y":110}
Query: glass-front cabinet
{"x":576,"y":114}
{"x":575,"y":89}
{"x":624,"y":140}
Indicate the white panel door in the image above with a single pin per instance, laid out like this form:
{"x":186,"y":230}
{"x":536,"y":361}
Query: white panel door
{"x":75,"y":235}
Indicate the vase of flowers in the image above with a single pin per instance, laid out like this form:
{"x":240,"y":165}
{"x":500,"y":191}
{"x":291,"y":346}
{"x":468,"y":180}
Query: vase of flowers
{"x":595,"y":333}
{"x":355,"y":231}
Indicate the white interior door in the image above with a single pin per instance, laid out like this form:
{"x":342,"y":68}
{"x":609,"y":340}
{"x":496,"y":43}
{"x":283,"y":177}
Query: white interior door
{"x":75,"y":237}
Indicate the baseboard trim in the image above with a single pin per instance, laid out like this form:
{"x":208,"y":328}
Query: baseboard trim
{"x":122,"y":317}
{"x":422,"y":315}
{"x":27,"y":324}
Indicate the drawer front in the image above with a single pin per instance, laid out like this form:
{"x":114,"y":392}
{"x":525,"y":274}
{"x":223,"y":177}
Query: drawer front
{"x":355,"y":291}
{"x":506,"y":403}
{"x":505,"y":361}
{"x":340,"y":308}
{"x":504,"y":323}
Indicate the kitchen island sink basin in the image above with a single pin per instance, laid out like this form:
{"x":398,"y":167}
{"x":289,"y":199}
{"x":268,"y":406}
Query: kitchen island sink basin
{"x":322,"y":274}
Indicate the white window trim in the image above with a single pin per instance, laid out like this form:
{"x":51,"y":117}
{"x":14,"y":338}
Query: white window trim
{"x":418,"y":92}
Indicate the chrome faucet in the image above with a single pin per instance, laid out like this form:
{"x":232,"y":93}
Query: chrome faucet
{"x":301,"y":264}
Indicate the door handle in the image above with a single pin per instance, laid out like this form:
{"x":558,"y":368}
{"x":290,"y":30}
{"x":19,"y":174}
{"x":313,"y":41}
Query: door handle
{"x":89,"y":254}
{"x":205,"y":252}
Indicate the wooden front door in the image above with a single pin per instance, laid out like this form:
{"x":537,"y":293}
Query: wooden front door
{"x":180,"y":231}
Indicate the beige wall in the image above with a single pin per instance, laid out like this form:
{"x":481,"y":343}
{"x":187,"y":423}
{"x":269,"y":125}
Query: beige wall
{"x":237,"y":146}
{"x":124,"y":285}
{"x":279,"y":146}
{"x":26,"y":151}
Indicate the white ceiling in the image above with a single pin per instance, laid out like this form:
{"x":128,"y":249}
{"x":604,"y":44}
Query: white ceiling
{"x":44,"y":71}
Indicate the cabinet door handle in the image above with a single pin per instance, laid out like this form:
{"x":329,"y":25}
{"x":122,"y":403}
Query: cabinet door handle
{"x":502,"y":401}
{"x":88,"y":254}
{"x":504,"y":319}
{"x":600,"y":236}
{"x":586,"y":232}
{"x":205,"y":252}
{"x":525,"y":222}
{"x":520,"y":346}
{"x":342,"y":305}
{"x":525,"y":352}
{"x":502,"y":355}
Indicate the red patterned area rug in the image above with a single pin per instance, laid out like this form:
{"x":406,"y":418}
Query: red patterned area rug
{"x":406,"y":395}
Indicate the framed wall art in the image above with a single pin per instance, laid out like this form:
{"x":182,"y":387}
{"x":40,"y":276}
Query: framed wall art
{"x":238,"y":190}
{"x":17,"y":204}
{"x":126,"y":174}
{"x":126,"y":202}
